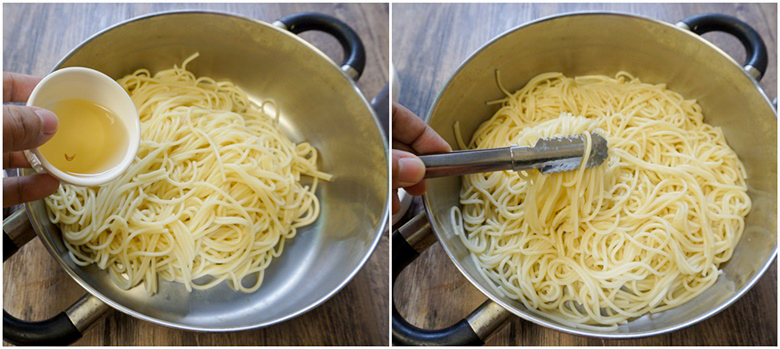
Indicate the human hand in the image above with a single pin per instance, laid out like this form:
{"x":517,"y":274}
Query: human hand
{"x":24,"y":128}
{"x":411,"y":136}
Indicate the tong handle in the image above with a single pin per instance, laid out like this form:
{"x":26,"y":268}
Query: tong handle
{"x":463,"y":162}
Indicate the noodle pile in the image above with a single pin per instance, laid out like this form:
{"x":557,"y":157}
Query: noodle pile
{"x":212,"y":195}
{"x":642,"y":233}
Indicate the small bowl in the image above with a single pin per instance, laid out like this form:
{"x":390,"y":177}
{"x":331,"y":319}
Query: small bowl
{"x":94,"y":86}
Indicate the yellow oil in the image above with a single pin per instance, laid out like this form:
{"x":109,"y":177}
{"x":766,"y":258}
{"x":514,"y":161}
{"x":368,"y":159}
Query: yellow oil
{"x":90,"y":138}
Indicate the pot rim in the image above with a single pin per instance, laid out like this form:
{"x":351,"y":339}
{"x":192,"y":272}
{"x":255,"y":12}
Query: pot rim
{"x":378,"y":229}
{"x":530,"y":316}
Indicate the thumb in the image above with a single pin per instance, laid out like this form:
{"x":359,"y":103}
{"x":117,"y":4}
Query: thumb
{"x":26,"y":127}
{"x":408,"y":169}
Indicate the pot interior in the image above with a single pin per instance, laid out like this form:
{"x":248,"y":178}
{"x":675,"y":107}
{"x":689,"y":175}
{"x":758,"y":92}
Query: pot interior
{"x":655,"y":52}
{"x":318,"y":104}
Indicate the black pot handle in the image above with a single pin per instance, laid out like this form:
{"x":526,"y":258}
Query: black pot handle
{"x":62,"y":329}
{"x":55,"y":331}
{"x":354,"y":52}
{"x":408,"y":242}
{"x":757,"y":57}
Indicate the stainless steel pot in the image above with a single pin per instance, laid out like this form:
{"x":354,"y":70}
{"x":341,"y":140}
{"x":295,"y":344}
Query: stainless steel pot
{"x":605,"y":43}
{"x":320,"y":103}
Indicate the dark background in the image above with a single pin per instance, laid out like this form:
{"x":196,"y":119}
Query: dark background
{"x":429,"y":42}
{"x":37,"y":36}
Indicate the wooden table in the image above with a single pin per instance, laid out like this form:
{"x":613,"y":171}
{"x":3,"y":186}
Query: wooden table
{"x":429,"y":43}
{"x":36,"y":36}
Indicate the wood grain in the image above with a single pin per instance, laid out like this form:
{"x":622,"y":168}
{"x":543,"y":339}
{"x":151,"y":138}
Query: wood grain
{"x":36,"y":36}
{"x":429,"y":43}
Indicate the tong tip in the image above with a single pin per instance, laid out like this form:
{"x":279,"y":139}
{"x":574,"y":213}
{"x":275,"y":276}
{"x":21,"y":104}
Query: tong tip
{"x":598,"y":154}
{"x":599,"y":150}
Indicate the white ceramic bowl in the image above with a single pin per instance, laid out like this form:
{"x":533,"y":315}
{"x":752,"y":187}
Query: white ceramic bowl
{"x":91,"y":85}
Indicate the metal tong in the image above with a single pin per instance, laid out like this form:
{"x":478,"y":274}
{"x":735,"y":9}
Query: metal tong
{"x":549,"y":155}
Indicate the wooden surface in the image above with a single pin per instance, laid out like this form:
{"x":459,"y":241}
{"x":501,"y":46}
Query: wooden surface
{"x":429,"y":43}
{"x":36,"y":36}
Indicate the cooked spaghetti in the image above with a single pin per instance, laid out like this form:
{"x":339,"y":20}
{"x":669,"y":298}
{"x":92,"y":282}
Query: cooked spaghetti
{"x":642,"y":233}
{"x":212,"y":195}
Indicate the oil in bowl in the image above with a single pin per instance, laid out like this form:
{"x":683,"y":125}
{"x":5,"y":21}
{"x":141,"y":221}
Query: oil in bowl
{"x":90,"y":139}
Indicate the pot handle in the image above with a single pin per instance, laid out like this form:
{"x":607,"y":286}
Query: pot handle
{"x":62,"y":329}
{"x":354,"y":52}
{"x":17,"y":231}
{"x":409,"y":241}
{"x":757,"y":57}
